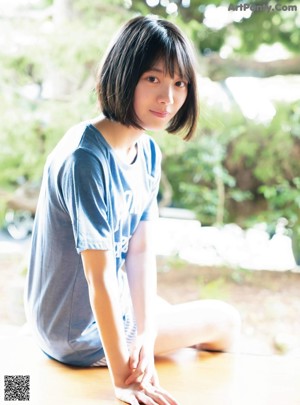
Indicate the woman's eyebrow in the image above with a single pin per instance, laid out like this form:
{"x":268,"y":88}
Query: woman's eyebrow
{"x":155,"y":69}
{"x":159,"y":70}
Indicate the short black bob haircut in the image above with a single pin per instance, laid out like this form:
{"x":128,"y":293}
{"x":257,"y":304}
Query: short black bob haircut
{"x":139,"y":45}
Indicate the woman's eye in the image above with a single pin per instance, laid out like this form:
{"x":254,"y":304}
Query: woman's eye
{"x":181,"y":83}
{"x":152,"y":79}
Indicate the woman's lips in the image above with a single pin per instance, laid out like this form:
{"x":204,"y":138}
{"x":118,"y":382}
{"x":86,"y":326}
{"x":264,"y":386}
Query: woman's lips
{"x":160,"y":114}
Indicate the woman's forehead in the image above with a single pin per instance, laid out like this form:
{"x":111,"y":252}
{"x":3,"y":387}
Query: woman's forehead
{"x":163,"y":66}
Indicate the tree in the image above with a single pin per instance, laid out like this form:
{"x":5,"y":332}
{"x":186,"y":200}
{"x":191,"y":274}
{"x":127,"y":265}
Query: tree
{"x":212,"y":23}
{"x":48,"y":80}
{"x":239,"y":170}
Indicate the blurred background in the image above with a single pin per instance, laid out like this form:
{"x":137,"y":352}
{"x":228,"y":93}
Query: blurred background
{"x":229,"y":199}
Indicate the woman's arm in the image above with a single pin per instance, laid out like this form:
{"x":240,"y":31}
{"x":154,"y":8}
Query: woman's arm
{"x":142,"y":278}
{"x":99,"y":267}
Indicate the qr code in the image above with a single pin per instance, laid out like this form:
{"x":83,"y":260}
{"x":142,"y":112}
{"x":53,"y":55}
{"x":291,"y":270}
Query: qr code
{"x":16,"y":388}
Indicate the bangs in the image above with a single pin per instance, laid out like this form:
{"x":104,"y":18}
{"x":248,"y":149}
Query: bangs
{"x":173,"y":65}
{"x":172,"y":52}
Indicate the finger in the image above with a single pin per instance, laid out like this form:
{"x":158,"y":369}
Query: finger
{"x":161,"y":393}
{"x":128,"y":398}
{"x":155,"y":380}
{"x":143,"y":364}
{"x":147,"y":377}
{"x":166,"y":395}
{"x":150,"y":377}
{"x":134,"y":377}
{"x":138,"y":372}
{"x":157,"y":395}
{"x":145,"y":399}
{"x":134,"y":401}
{"x":134,"y":358}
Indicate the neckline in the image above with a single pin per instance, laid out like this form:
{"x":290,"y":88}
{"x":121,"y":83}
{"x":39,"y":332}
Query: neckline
{"x":120,"y":161}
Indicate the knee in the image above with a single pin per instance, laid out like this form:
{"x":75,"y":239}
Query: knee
{"x":234,"y":319}
{"x":231,"y":326}
{"x":226,"y":327}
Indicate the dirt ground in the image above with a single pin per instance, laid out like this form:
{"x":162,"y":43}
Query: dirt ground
{"x":269,"y":302}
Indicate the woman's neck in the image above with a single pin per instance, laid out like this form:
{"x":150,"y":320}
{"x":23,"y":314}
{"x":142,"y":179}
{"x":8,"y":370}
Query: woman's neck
{"x":121,"y":138}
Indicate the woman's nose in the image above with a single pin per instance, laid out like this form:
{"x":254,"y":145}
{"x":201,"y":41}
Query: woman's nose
{"x":166,"y":95}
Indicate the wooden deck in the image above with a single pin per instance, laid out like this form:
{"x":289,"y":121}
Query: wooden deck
{"x":193,"y":378}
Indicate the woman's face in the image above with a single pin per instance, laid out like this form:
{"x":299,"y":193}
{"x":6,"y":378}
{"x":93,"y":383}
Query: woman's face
{"x":158,"y":97}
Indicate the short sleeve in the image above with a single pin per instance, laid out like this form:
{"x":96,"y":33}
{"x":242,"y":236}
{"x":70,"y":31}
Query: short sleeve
{"x":85,"y":198}
{"x":151,"y":212}
{"x":152,"y":155}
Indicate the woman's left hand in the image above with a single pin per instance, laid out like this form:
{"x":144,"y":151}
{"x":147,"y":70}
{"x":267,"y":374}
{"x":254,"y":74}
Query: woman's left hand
{"x":134,"y":395}
{"x":141,"y":363}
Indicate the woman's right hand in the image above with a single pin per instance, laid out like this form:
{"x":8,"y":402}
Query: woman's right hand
{"x":136,"y":394}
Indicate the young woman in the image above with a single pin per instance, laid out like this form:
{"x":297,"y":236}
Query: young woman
{"x":94,"y":227}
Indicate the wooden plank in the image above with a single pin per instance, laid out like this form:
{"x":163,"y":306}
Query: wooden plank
{"x":231,"y":379}
{"x":193,"y":378}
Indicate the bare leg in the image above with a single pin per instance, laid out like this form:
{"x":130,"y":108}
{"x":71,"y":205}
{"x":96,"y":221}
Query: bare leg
{"x":205,"y":324}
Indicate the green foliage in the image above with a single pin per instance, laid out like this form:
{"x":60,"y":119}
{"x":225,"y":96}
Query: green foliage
{"x":284,"y":201}
{"x":175,"y":263}
{"x":249,"y":33}
{"x":62,"y":58}
{"x":215,"y":289}
{"x":269,"y":28}
{"x":204,"y":173}
{"x":240,"y":275}
{"x":264,"y":148}
{"x":271,"y":153}
{"x":48,"y":76}
{"x":196,"y":170}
